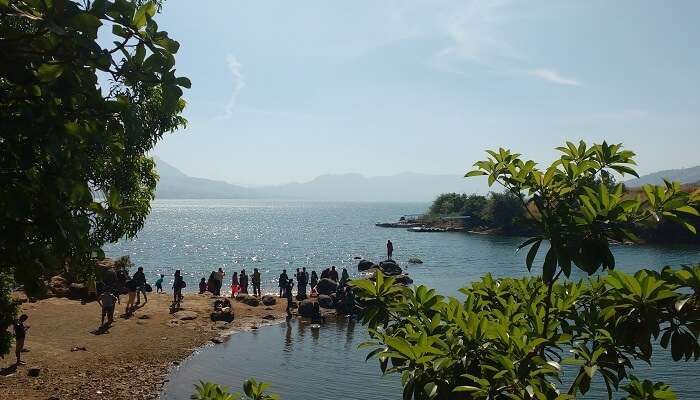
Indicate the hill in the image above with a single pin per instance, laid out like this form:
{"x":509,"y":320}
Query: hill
{"x":685,"y":175}
{"x":174,"y":184}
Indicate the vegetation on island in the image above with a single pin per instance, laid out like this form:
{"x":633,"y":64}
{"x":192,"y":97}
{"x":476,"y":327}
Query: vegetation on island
{"x":79,"y":114}
{"x":499,"y":211}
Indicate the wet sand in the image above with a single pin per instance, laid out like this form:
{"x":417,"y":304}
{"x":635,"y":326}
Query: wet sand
{"x":130,"y":361}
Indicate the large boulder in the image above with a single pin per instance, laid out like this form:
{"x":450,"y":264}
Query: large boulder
{"x":241,"y":296}
{"x":269,"y":300}
{"x":59,"y":286}
{"x":226,"y":316}
{"x":185,"y":315}
{"x":390,"y":267}
{"x":403,"y":279}
{"x":326,"y":286}
{"x":306,"y":308}
{"x":415,"y":260}
{"x":364,"y":265}
{"x":77,"y":291}
{"x":326,"y":301}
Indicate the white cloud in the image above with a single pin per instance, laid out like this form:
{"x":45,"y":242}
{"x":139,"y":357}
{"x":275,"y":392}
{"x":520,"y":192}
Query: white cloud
{"x":238,"y":84}
{"x":553,"y":76}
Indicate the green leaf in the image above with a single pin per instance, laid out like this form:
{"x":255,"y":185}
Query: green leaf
{"x":49,"y":72}
{"x":184,"y":82}
{"x":550,"y":265}
{"x":531,"y":254}
{"x":475,"y":173}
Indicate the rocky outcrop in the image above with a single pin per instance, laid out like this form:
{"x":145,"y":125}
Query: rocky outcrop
{"x":59,"y":286}
{"x":306,"y":308}
{"x":250,"y":301}
{"x":403,"y":279}
{"x":225,"y":316}
{"x":390,"y":268}
{"x":365,"y":265}
{"x":326,"y":301}
{"x":415,"y":260}
{"x":326,"y":286}
{"x":269,"y":300}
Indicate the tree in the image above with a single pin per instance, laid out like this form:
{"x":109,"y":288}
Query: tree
{"x":77,"y":120}
{"x":506,"y":339}
{"x":503,"y":210}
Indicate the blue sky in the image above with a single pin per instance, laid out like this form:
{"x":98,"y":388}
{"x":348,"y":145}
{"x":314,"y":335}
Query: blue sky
{"x":285,"y":91}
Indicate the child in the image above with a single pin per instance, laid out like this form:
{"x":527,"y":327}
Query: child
{"x":20,"y":335}
{"x":159,"y":284}
{"x":106,"y":301}
{"x":202,"y":286}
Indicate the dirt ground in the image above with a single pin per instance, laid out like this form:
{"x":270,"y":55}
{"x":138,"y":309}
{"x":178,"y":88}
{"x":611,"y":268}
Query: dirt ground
{"x":129,"y":361}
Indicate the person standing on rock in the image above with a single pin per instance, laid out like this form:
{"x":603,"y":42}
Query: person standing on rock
{"x":288,"y":294}
{"x":256,"y":282}
{"x":389,"y":249}
{"x":282,"y":282}
{"x":219,"y":276}
{"x":302,"y":281}
{"x":344,"y":277}
{"x":20,"y":336}
{"x":244,"y":282}
{"x":314,"y":280}
{"x":106,"y":301}
{"x":333,"y":274}
{"x":235,"y":286}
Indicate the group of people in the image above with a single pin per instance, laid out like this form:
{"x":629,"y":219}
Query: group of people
{"x":239,"y":283}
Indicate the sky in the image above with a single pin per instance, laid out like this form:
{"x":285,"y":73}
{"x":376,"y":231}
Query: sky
{"x":285,"y":91}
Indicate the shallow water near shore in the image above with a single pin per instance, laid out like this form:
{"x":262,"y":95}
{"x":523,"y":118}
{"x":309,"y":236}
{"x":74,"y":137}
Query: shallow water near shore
{"x":198,"y":236}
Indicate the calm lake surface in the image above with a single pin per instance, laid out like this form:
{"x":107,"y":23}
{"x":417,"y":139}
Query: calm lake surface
{"x":198,"y":236}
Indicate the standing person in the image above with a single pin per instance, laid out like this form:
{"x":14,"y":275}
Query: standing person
{"x":202,"y":286}
{"x":301,"y":282}
{"x":159,"y":284}
{"x":235,"y":286}
{"x":389,"y":249}
{"x":314,"y":280}
{"x":140,"y":279}
{"x":324,"y":273}
{"x":106,"y":302}
{"x":219,"y":280}
{"x":244,"y":282}
{"x":178,"y":285}
{"x":211,"y":283}
{"x":256,"y":282}
{"x":333,"y":274}
{"x":282,"y":282}
{"x":131,"y":288}
{"x":20,"y":335}
{"x":288,"y":294}
{"x":344,"y":277}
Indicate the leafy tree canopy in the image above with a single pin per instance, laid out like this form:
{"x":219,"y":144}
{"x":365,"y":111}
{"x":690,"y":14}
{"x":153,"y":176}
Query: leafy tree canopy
{"x":86,"y":91}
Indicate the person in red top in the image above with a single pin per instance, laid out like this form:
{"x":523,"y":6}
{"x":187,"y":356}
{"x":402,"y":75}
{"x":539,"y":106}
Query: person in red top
{"x":389,"y":249}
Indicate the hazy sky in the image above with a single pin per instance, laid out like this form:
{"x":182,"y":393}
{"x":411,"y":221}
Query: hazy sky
{"x":285,"y":91}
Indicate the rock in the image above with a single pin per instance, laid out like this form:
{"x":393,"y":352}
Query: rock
{"x":221,"y":316}
{"x":251,"y":301}
{"x":326,"y":301}
{"x":241,"y":296}
{"x":364,"y":265}
{"x":403,"y":279}
{"x":221,"y":325}
{"x":269,"y":300}
{"x":357,"y":258}
{"x":301,"y":296}
{"x":78,"y":348}
{"x":77,"y":291}
{"x":390,"y":268}
{"x":306,"y":308}
{"x":185,"y":315}
{"x":59,"y":286}
{"x":144,"y":316}
{"x":326,"y":286}
{"x":34,"y":372}
{"x":217,"y":340}
{"x":415,"y":260}
{"x":269,"y":308}
{"x":269,"y":317}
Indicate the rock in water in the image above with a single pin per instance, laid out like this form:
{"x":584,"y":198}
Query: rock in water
{"x":415,"y":260}
{"x":364,"y":265}
{"x":390,"y":268}
{"x":403,"y":279}
{"x":326,"y":301}
{"x":185,"y":315}
{"x":306,"y":308}
{"x":326,"y":286}
{"x":269,"y":300}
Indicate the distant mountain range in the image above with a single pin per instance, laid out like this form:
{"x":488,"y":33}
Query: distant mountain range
{"x":407,"y":186}
{"x":684,"y":175}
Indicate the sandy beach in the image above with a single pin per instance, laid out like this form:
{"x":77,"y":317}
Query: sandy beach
{"x":130,"y":361}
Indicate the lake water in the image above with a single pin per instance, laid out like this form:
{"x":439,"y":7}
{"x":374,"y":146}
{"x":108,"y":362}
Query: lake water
{"x":198,"y":236}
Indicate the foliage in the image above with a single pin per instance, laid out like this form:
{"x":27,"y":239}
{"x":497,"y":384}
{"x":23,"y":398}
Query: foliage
{"x":252,"y":390}
{"x":507,"y":338}
{"x":458,"y":204}
{"x":123,"y":262}
{"x":496,"y":342}
{"x":504,"y":211}
{"x":78,"y":118}
{"x":8,"y":312}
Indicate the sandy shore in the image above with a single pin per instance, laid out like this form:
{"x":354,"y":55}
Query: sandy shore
{"x":130,"y":361}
